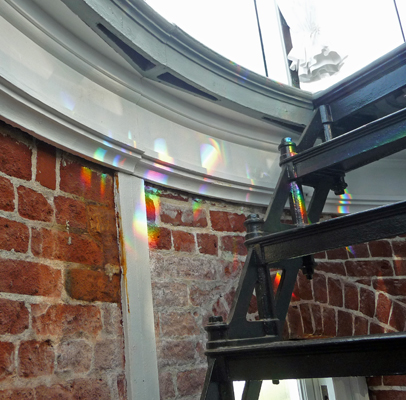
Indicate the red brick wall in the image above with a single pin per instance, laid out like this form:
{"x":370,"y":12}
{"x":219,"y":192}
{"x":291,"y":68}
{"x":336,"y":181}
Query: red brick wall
{"x":196,"y":255}
{"x":197,"y":252}
{"x":60,"y":317}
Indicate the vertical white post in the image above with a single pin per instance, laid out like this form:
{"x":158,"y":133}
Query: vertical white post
{"x":138,"y":317}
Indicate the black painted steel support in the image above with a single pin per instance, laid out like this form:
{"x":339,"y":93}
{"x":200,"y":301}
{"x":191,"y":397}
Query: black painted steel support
{"x":253,"y":350}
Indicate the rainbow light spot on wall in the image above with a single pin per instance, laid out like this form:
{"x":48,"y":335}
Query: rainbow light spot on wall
{"x":351,"y":250}
{"x":103,"y":184}
{"x":204,"y":188}
{"x":99,"y":154}
{"x":345,"y":201}
{"x":197,"y":210}
{"x":210,"y":156}
{"x":67,"y":101}
{"x":242,"y":72}
{"x":86,"y":176}
{"x":139,"y":225}
{"x":130,"y":137}
{"x":156,"y":177}
{"x":162,"y":150}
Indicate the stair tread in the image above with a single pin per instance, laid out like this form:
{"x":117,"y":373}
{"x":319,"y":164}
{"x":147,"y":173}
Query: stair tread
{"x":374,"y":224}
{"x":353,"y":149}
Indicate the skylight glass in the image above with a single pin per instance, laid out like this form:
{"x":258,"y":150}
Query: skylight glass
{"x":360,"y":31}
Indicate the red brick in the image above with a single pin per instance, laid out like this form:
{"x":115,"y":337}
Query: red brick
{"x":166,"y":386}
{"x":15,"y":158}
{"x":233,"y":268}
{"x":295,"y":322}
{"x":336,"y":268}
{"x":195,"y":268}
{"x":218,"y":309}
{"x":75,"y":356}
{"x":36,"y":358}
{"x":6,"y":359}
{"x":191,"y":382}
{"x":170,"y":294}
{"x":201,"y":296}
{"x":54,"y":392}
{"x":367,"y":302}
{"x":178,"y":324}
{"x":320,"y":256}
{"x":351,"y":296}
{"x":18,"y":394}
{"x":108,"y":354}
{"x":159,"y":238}
{"x":88,"y":285}
{"x":360,"y":326}
{"x":383,"y":308}
{"x":329,"y":322}
{"x":14,"y":317}
{"x":229,"y":297}
{"x":19,"y":234}
{"x":65,"y":246}
{"x":182,"y":216}
{"x":320,"y":288}
{"x":90,"y":389}
{"x":66,"y":320}
{"x":380,"y":248}
{"x":46,"y":165}
{"x":344,"y":323}
{"x":25,"y":277}
{"x":399,"y":266}
{"x":176,"y":352}
{"x":7,"y":195}
{"x":183,"y":241}
{"x":335,"y":292}
{"x":394,"y":380}
{"x":70,"y":212}
{"x":305,"y":287}
{"x":395,"y":287}
{"x":228,"y":222}
{"x":387,"y":395}
{"x":207,"y":244}
{"x":33,"y":205}
{"x":102,"y":226}
{"x":150,"y":206}
{"x":369,"y":268}
{"x":337,"y":254}
{"x":398,"y":317}
{"x":358,"y":251}
{"x":399,"y":248}
{"x":376,"y":329}
{"x":374,"y":380}
{"x":306,"y":319}
{"x":234,"y":244}
{"x":77,"y":178}
{"x":317,"y":318}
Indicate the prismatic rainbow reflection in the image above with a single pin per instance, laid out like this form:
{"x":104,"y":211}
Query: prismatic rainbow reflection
{"x":210,"y":155}
{"x":86,"y":176}
{"x":99,"y":154}
{"x":155,"y":176}
{"x":298,"y":202}
{"x":345,"y":201}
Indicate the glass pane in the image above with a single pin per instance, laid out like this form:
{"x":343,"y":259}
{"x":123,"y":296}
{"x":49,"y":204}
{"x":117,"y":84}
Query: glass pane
{"x":286,"y":390}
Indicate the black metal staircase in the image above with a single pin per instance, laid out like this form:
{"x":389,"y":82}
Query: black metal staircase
{"x":253,"y":351}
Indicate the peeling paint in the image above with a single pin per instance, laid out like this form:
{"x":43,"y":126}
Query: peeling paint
{"x":120,"y":234}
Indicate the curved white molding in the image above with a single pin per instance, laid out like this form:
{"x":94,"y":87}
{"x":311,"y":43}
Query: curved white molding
{"x":78,"y":94}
